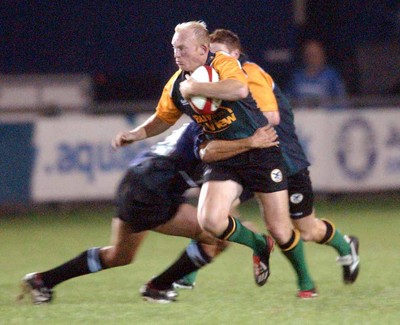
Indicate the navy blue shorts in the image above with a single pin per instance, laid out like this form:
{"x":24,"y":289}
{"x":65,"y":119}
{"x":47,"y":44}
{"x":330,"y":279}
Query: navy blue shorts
{"x":145,"y":207}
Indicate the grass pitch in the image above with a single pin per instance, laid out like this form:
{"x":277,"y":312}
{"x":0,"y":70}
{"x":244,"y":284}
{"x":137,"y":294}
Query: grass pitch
{"x":225,"y":291}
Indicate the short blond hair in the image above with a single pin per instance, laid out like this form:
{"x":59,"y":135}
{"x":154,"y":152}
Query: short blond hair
{"x":199,"y":29}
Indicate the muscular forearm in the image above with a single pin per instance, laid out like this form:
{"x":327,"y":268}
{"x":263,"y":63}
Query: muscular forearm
{"x":151,"y":127}
{"x":224,"y":149}
{"x":228,"y":89}
{"x":154,"y":126}
{"x":263,"y":137}
{"x":138,"y":133}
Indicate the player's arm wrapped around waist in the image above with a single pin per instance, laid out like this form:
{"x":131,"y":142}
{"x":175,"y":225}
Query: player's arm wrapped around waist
{"x":252,"y":157}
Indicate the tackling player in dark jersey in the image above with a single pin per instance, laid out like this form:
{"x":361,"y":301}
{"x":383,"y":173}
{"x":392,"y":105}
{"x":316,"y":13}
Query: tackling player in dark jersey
{"x":149,"y":197}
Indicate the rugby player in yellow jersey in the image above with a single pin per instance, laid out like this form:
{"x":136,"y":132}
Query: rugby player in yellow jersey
{"x":277,"y":109}
{"x":260,"y":171}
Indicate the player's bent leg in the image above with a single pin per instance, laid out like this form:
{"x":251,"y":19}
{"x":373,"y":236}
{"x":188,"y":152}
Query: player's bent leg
{"x":124,"y":246}
{"x":185,"y":224}
{"x":275,"y":209}
{"x":214,"y":205}
{"x":276,"y":215}
{"x":323,"y":231}
{"x":215,"y":201}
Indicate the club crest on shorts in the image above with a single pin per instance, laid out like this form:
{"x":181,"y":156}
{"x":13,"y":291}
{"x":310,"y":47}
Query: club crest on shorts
{"x":296,"y":198}
{"x":276,"y":175}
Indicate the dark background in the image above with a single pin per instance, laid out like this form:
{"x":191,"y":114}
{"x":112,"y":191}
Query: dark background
{"x":125,"y":45}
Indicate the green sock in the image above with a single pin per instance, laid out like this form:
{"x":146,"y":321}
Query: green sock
{"x":335,"y":239}
{"x":238,"y":233}
{"x":191,"y":277}
{"x":340,"y":244}
{"x":296,"y":258}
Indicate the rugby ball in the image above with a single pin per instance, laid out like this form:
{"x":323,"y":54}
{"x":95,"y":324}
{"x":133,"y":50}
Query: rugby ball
{"x":203,"y":105}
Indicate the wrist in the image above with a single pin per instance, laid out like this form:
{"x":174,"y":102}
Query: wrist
{"x":138,"y":133}
{"x":249,"y":143}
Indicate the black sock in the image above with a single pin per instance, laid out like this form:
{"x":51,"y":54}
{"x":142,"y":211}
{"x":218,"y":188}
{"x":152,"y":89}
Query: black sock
{"x":85,"y":263}
{"x":192,"y":259}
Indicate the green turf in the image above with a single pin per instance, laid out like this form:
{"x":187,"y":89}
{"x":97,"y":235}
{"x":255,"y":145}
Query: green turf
{"x":225,"y":292}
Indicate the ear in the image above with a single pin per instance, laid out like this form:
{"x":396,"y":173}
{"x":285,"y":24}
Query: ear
{"x":204,"y":49}
{"x":236,"y":54}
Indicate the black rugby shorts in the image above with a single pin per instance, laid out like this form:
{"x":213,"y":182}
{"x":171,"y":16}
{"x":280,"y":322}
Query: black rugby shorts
{"x":259,"y":170}
{"x":301,"y":195}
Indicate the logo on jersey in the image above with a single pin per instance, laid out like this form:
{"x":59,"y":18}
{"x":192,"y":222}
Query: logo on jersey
{"x":276,"y":175}
{"x":217,"y":122}
{"x":296,"y":198}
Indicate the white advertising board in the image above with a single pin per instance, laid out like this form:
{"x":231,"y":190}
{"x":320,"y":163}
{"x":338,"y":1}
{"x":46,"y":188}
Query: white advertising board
{"x":352,"y":150}
{"x":75,"y":160}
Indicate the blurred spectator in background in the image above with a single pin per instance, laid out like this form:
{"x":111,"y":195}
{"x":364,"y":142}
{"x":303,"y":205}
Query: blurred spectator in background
{"x":316,"y":83}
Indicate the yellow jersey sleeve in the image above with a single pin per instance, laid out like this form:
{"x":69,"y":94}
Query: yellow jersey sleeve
{"x":166,"y":109}
{"x":228,"y":68}
{"x":261,"y":87}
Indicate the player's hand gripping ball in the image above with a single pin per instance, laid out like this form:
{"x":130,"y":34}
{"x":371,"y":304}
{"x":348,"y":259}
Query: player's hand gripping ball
{"x":203,"y":105}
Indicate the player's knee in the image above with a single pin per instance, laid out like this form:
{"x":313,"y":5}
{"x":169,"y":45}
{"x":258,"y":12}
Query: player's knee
{"x":112,"y":258}
{"x":212,"y":221}
{"x":121,"y":260}
{"x":210,"y":225}
{"x":280,"y":234}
